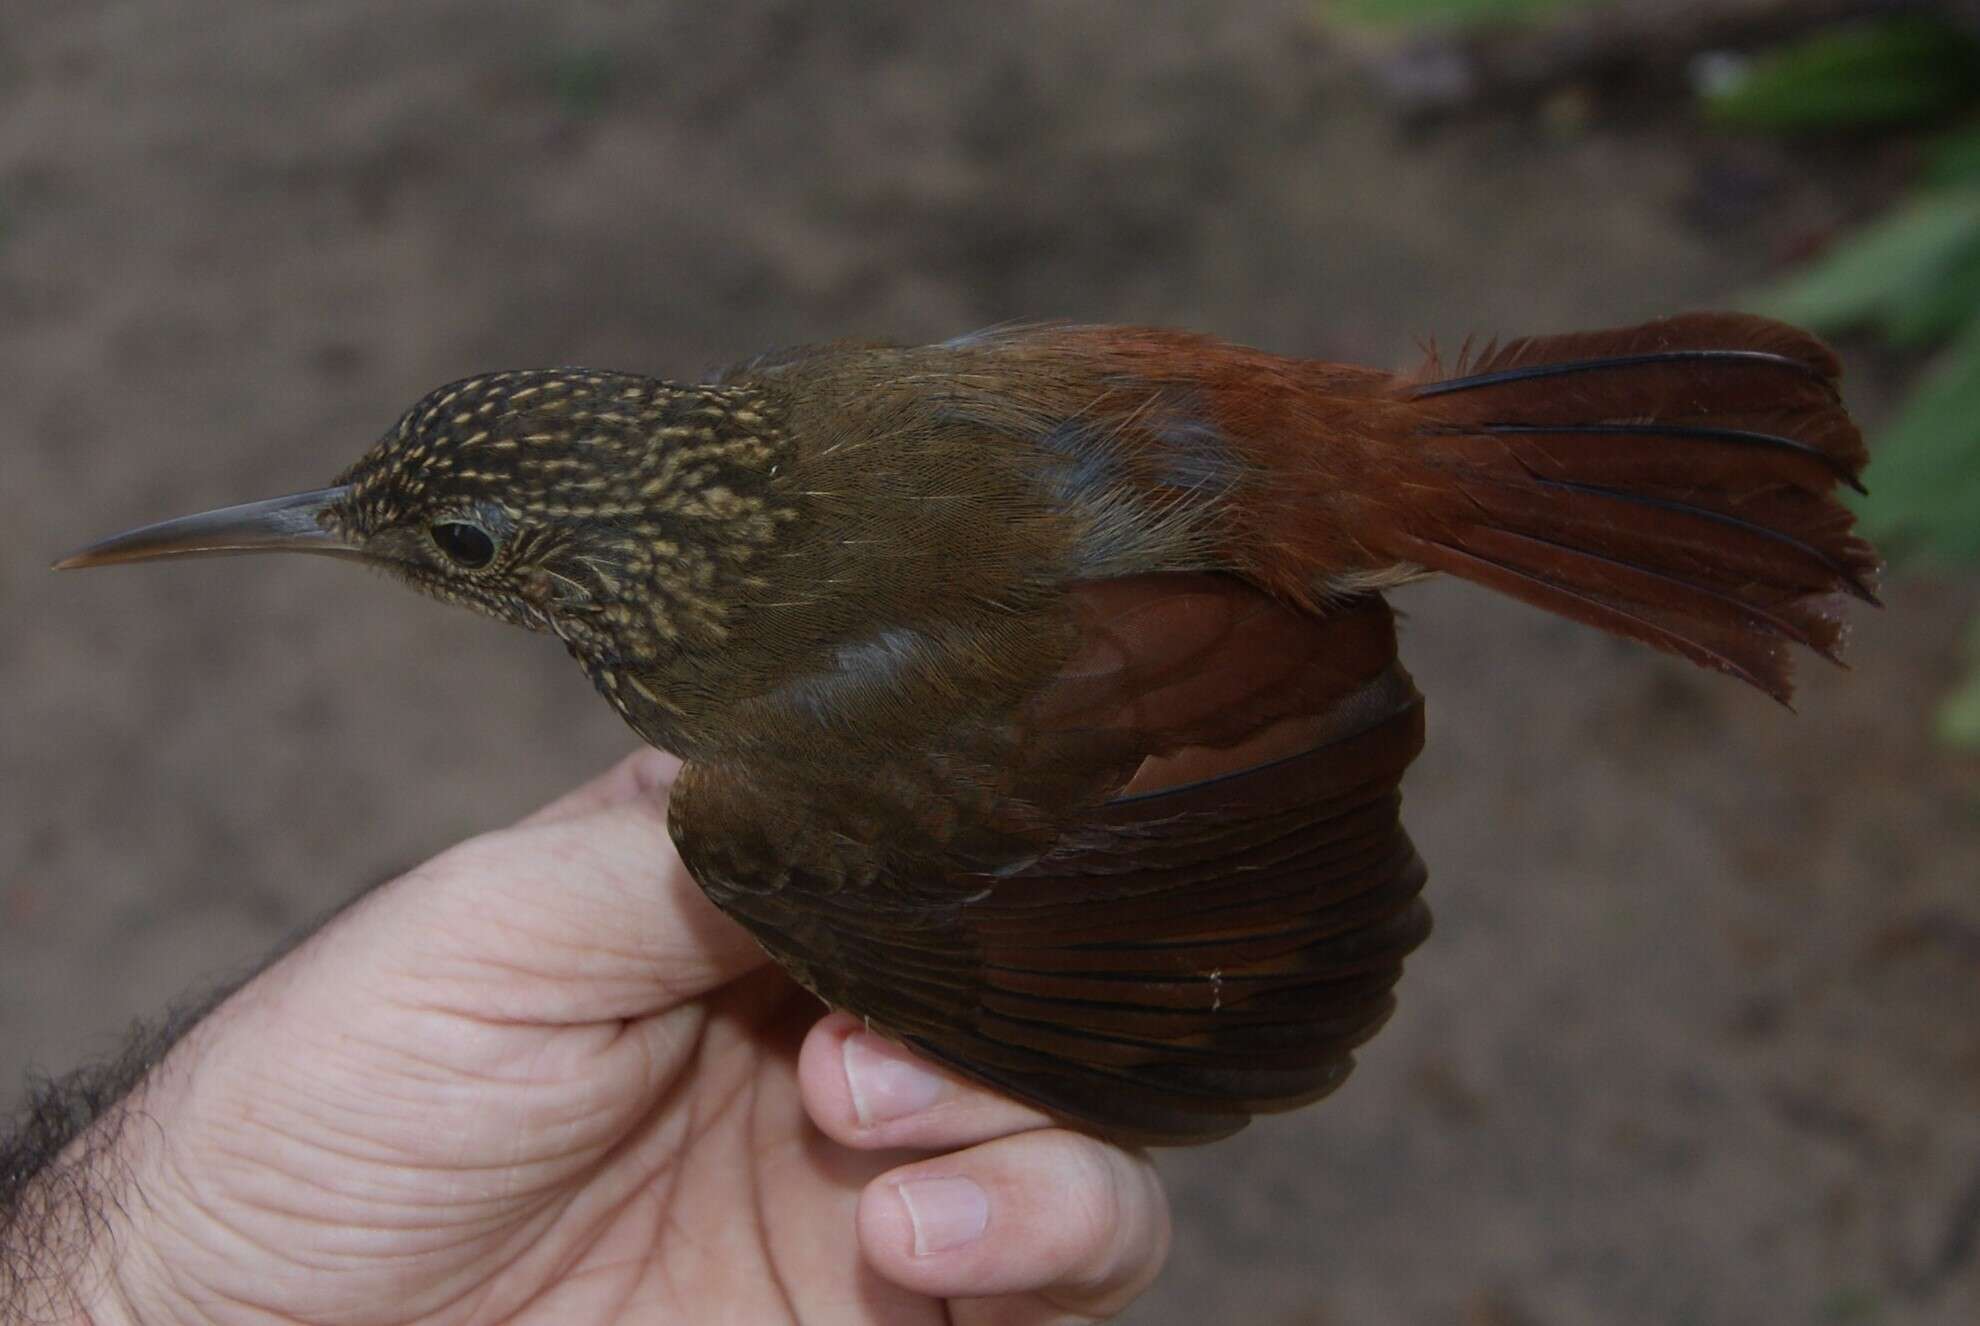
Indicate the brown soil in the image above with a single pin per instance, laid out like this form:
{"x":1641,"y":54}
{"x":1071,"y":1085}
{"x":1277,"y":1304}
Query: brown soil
{"x":1696,"y":1040}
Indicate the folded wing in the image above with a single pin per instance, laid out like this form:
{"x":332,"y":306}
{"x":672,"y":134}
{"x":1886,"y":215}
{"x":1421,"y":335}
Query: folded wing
{"x":1204,"y":932}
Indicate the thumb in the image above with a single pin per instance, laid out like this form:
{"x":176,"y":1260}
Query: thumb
{"x":582,"y":912}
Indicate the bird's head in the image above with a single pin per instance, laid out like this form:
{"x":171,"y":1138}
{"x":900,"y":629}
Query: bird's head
{"x":622,"y":513}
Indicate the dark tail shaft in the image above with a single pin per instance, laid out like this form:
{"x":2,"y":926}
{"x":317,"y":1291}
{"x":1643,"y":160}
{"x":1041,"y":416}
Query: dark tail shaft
{"x":1674,"y":483}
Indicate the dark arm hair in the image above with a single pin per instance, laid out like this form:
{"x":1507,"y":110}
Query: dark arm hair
{"x":61,"y":1170}
{"x":62,"y":1166}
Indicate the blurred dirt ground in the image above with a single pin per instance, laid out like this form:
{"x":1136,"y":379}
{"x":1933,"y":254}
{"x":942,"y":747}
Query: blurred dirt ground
{"x":1698,"y":1037}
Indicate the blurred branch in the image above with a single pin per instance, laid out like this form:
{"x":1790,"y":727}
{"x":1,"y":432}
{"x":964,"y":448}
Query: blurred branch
{"x":1457,"y":71}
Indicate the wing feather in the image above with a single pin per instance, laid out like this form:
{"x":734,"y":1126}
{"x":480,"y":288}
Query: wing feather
{"x":1172,"y":961}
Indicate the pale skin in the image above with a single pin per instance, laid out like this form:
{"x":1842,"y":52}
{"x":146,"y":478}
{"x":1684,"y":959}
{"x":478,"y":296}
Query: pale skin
{"x":542,"y":1079}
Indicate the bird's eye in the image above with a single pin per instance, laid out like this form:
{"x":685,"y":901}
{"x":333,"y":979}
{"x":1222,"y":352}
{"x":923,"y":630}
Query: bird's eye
{"x":465,"y":545}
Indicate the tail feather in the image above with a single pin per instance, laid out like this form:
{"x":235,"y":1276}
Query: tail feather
{"x":1725,"y":339}
{"x":1589,"y":436}
{"x":1748,"y":549}
{"x":1673,"y":483}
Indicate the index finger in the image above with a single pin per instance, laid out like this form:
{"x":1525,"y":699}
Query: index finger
{"x":582,"y":912}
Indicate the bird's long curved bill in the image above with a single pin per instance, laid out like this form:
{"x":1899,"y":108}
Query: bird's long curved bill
{"x":278,"y":524}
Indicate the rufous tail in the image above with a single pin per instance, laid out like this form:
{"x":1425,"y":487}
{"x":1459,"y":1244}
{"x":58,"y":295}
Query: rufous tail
{"x":1674,"y":483}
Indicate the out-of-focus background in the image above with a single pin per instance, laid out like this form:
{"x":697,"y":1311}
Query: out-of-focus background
{"x":1698,"y":1037}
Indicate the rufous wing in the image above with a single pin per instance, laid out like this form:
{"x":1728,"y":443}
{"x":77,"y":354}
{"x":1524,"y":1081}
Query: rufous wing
{"x":1170,"y":961}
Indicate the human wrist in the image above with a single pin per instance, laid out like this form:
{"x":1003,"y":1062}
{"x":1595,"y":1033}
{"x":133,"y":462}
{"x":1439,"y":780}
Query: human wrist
{"x":79,"y":1219}
{"x":68,"y":1229}
{"x":101,"y":1299}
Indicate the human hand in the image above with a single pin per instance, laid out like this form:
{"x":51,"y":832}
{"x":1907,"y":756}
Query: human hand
{"x":542,"y":1079}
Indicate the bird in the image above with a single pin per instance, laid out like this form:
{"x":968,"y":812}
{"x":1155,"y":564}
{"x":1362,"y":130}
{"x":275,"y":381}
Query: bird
{"x":1037,"y":692}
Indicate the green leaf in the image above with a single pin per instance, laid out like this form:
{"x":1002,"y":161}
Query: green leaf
{"x":1955,"y":158}
{"x":1414,"y":12}
{"x":1923,"y":315}
{"x":1959,"y":714}
{"x":1851,"y":1305}
{"x":1895,"y":260}
{"x":1925,"y":476}
{"x":1897,"y":71}
{"x":581,"y":79}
